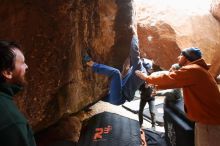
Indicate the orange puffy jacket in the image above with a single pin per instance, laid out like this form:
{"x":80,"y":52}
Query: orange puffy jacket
{"x":200,"y":90}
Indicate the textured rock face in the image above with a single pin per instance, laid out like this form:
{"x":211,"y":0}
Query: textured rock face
{"x":166,"y":27}
{"x":215,"y":9}
{"x":52,"y":35}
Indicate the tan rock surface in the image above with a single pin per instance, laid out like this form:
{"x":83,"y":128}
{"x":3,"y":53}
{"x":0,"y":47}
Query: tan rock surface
{"x":215,"y":9}
{"x":52,"y":35}
{"x":166,"y":27}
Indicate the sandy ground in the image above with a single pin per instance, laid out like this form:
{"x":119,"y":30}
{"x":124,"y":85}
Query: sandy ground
{"x":104,"y":106}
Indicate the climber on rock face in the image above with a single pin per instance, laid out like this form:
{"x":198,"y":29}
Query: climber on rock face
{"x":123,"y":88}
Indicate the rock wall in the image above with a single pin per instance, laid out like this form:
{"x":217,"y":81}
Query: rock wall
{"x":167,"y":27}
{"x":215,"y":9}
{"x":53,"y":35}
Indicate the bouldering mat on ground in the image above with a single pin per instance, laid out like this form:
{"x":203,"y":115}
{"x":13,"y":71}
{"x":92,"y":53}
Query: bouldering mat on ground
{"x":109,"y":129}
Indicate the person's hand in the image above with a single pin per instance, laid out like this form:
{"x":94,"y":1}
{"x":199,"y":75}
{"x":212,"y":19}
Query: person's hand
{"x":141,"y":75}
{"x":154,"y":90}
{"x":174,"y":67}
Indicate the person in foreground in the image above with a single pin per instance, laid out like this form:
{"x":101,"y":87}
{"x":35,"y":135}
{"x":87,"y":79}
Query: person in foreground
{"x":14,"y":128}
{"x":200,"y":91}
{"x":123,"y":88}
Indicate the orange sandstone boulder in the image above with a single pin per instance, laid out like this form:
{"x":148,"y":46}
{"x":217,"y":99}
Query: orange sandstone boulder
{"x":167,"y":27}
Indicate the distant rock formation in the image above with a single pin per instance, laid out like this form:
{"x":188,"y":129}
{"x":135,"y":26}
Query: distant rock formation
{"x":215,"y":9}
{"x":166,"y":27}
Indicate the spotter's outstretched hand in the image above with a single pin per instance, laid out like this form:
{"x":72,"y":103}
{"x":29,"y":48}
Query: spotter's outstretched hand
{"x":141,"y":75}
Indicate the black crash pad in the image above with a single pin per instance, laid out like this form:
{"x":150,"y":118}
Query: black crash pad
{"x":109,"y":129}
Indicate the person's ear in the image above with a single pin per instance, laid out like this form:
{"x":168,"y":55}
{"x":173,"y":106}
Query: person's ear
{"x":7,"y":74}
